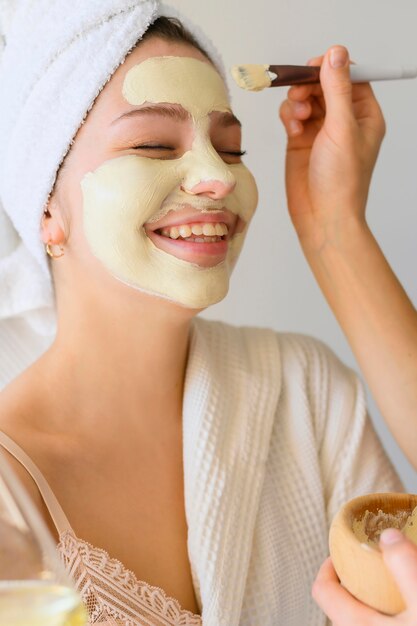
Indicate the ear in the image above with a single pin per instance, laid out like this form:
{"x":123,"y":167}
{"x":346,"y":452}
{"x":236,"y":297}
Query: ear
{"x":52,"y":226}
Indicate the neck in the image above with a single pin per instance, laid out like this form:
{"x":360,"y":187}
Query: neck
{"x":119,"y":361}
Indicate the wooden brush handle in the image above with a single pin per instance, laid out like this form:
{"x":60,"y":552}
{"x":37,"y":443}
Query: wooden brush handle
{"x":294,"y":75}
{"x":306,"y":74}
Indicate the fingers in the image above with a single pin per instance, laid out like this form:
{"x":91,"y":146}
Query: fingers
{"x":342,"y":608}
{"x":346,"y":110}
{"x":302,"y":92}
{"x":298,"y":93}
{"x":333,"y":94}
{"x":298,"y":116}
{"x":293,"y":113}
{"x":336,"y":84}
{"x":400,"y":556}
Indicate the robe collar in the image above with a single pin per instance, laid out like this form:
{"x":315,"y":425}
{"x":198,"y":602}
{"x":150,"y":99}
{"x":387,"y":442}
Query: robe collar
{"x":232,"y":388}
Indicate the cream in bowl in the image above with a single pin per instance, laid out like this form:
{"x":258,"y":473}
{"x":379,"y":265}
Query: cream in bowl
{"x":353,"y":541}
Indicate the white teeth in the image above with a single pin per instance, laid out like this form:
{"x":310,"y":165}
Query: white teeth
{"x":204,"y":239}
{"x":208,"y":231}
{"x":185,"y":231}
{"x":197,"y":229}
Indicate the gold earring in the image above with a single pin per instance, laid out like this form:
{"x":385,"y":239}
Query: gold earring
{"x":50,"y":252}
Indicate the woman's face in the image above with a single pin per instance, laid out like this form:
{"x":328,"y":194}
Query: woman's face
{"x":154,"y":186}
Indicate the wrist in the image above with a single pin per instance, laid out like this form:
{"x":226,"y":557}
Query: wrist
{"x":342,"y":235}
{"x":347,"y":263}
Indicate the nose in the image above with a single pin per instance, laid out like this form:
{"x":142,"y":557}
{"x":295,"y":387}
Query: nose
{"x":206,"y":174}
{"x":214,"y":189}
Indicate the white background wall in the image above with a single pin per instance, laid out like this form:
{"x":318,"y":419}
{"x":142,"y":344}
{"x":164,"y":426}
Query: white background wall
{"x":272,"y":285}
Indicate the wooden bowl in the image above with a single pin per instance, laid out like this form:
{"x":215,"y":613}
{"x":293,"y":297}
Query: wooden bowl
{"x":361,"y":568}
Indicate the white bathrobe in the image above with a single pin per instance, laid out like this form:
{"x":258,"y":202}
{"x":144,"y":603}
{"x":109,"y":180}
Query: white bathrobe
{"x":276,"y":439}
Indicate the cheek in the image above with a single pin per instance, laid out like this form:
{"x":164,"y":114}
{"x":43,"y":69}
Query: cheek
{"x":125,"y":193}
{"x":69,"y":197}
{"x":121,"y":196}
{"x":246,"y":192}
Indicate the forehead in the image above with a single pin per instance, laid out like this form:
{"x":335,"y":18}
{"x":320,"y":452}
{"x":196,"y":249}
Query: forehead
{"x":192,"y":83}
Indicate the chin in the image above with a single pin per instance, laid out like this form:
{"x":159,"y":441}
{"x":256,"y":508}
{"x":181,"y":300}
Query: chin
{"x":199,"y":301}
{"x":206,"y":293}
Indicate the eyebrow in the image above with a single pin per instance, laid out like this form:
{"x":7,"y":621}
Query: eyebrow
{"x":177,"y":113}
{"x":228,"y":119}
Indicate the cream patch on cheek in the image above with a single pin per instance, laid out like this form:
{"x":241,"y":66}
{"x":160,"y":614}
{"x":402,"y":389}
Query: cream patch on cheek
{"x":118,"y":200}
{"x":125,"y":193}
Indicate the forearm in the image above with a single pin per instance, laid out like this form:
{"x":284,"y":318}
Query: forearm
{"x":378,"y":320}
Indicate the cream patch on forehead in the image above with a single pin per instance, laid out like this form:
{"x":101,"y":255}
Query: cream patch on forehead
{"x":193,"y":84}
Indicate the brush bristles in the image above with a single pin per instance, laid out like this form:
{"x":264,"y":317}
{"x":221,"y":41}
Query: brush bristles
{"x":251,"y":77}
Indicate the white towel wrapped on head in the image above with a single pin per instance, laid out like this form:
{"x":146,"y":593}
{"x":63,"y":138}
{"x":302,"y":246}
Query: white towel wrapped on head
{"x":55,"y":58}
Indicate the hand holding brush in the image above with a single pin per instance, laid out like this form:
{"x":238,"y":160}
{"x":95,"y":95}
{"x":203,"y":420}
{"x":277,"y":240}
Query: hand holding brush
{"x":335,"y":130}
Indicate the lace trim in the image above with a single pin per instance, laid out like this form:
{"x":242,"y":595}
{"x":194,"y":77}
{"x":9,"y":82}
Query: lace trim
{"x":110,"y":590}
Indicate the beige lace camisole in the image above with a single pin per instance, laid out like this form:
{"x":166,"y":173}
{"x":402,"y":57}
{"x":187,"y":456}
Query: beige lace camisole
{"x":112,"y":594}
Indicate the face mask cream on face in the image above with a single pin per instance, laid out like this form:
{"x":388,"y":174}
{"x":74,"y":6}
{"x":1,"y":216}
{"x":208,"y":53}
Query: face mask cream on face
{"x":125,"y":193}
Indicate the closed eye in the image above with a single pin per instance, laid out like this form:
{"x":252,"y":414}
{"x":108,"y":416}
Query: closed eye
{"x":231,"y":154}
{"x":238,"y":153}
{"x":153,"y":147}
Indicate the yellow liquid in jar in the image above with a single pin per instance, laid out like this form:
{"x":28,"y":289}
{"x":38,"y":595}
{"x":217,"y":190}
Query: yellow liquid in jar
{"x":37,"y":603}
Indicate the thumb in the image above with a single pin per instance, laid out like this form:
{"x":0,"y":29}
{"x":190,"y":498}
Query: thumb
{"x":336,"y":83}
{"x":400,"y":556}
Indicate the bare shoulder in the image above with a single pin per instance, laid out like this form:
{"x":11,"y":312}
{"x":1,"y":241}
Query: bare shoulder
{"x":19,"y":405}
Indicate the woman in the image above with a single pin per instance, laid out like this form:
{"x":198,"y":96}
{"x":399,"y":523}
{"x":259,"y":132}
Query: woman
{"x":208,"y":460}
{"x":327,"y":193}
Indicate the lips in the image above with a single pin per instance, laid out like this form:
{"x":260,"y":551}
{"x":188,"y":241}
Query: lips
{"x":189,"y":215}
{"x":206,"y":251}
{"x":202,"y":254}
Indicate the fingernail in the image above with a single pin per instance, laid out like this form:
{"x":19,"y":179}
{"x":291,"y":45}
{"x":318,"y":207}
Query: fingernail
{"x":338,"y":57}
{"x":391,"y":536}
{"x":295,"y":127}
{"x":300,"y":107}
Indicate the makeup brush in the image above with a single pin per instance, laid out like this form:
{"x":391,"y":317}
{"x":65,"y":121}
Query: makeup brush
{"x":258,"y":77}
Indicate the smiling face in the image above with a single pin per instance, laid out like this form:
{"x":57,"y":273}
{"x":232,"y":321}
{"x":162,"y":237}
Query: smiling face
{"x":166,"y":210}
